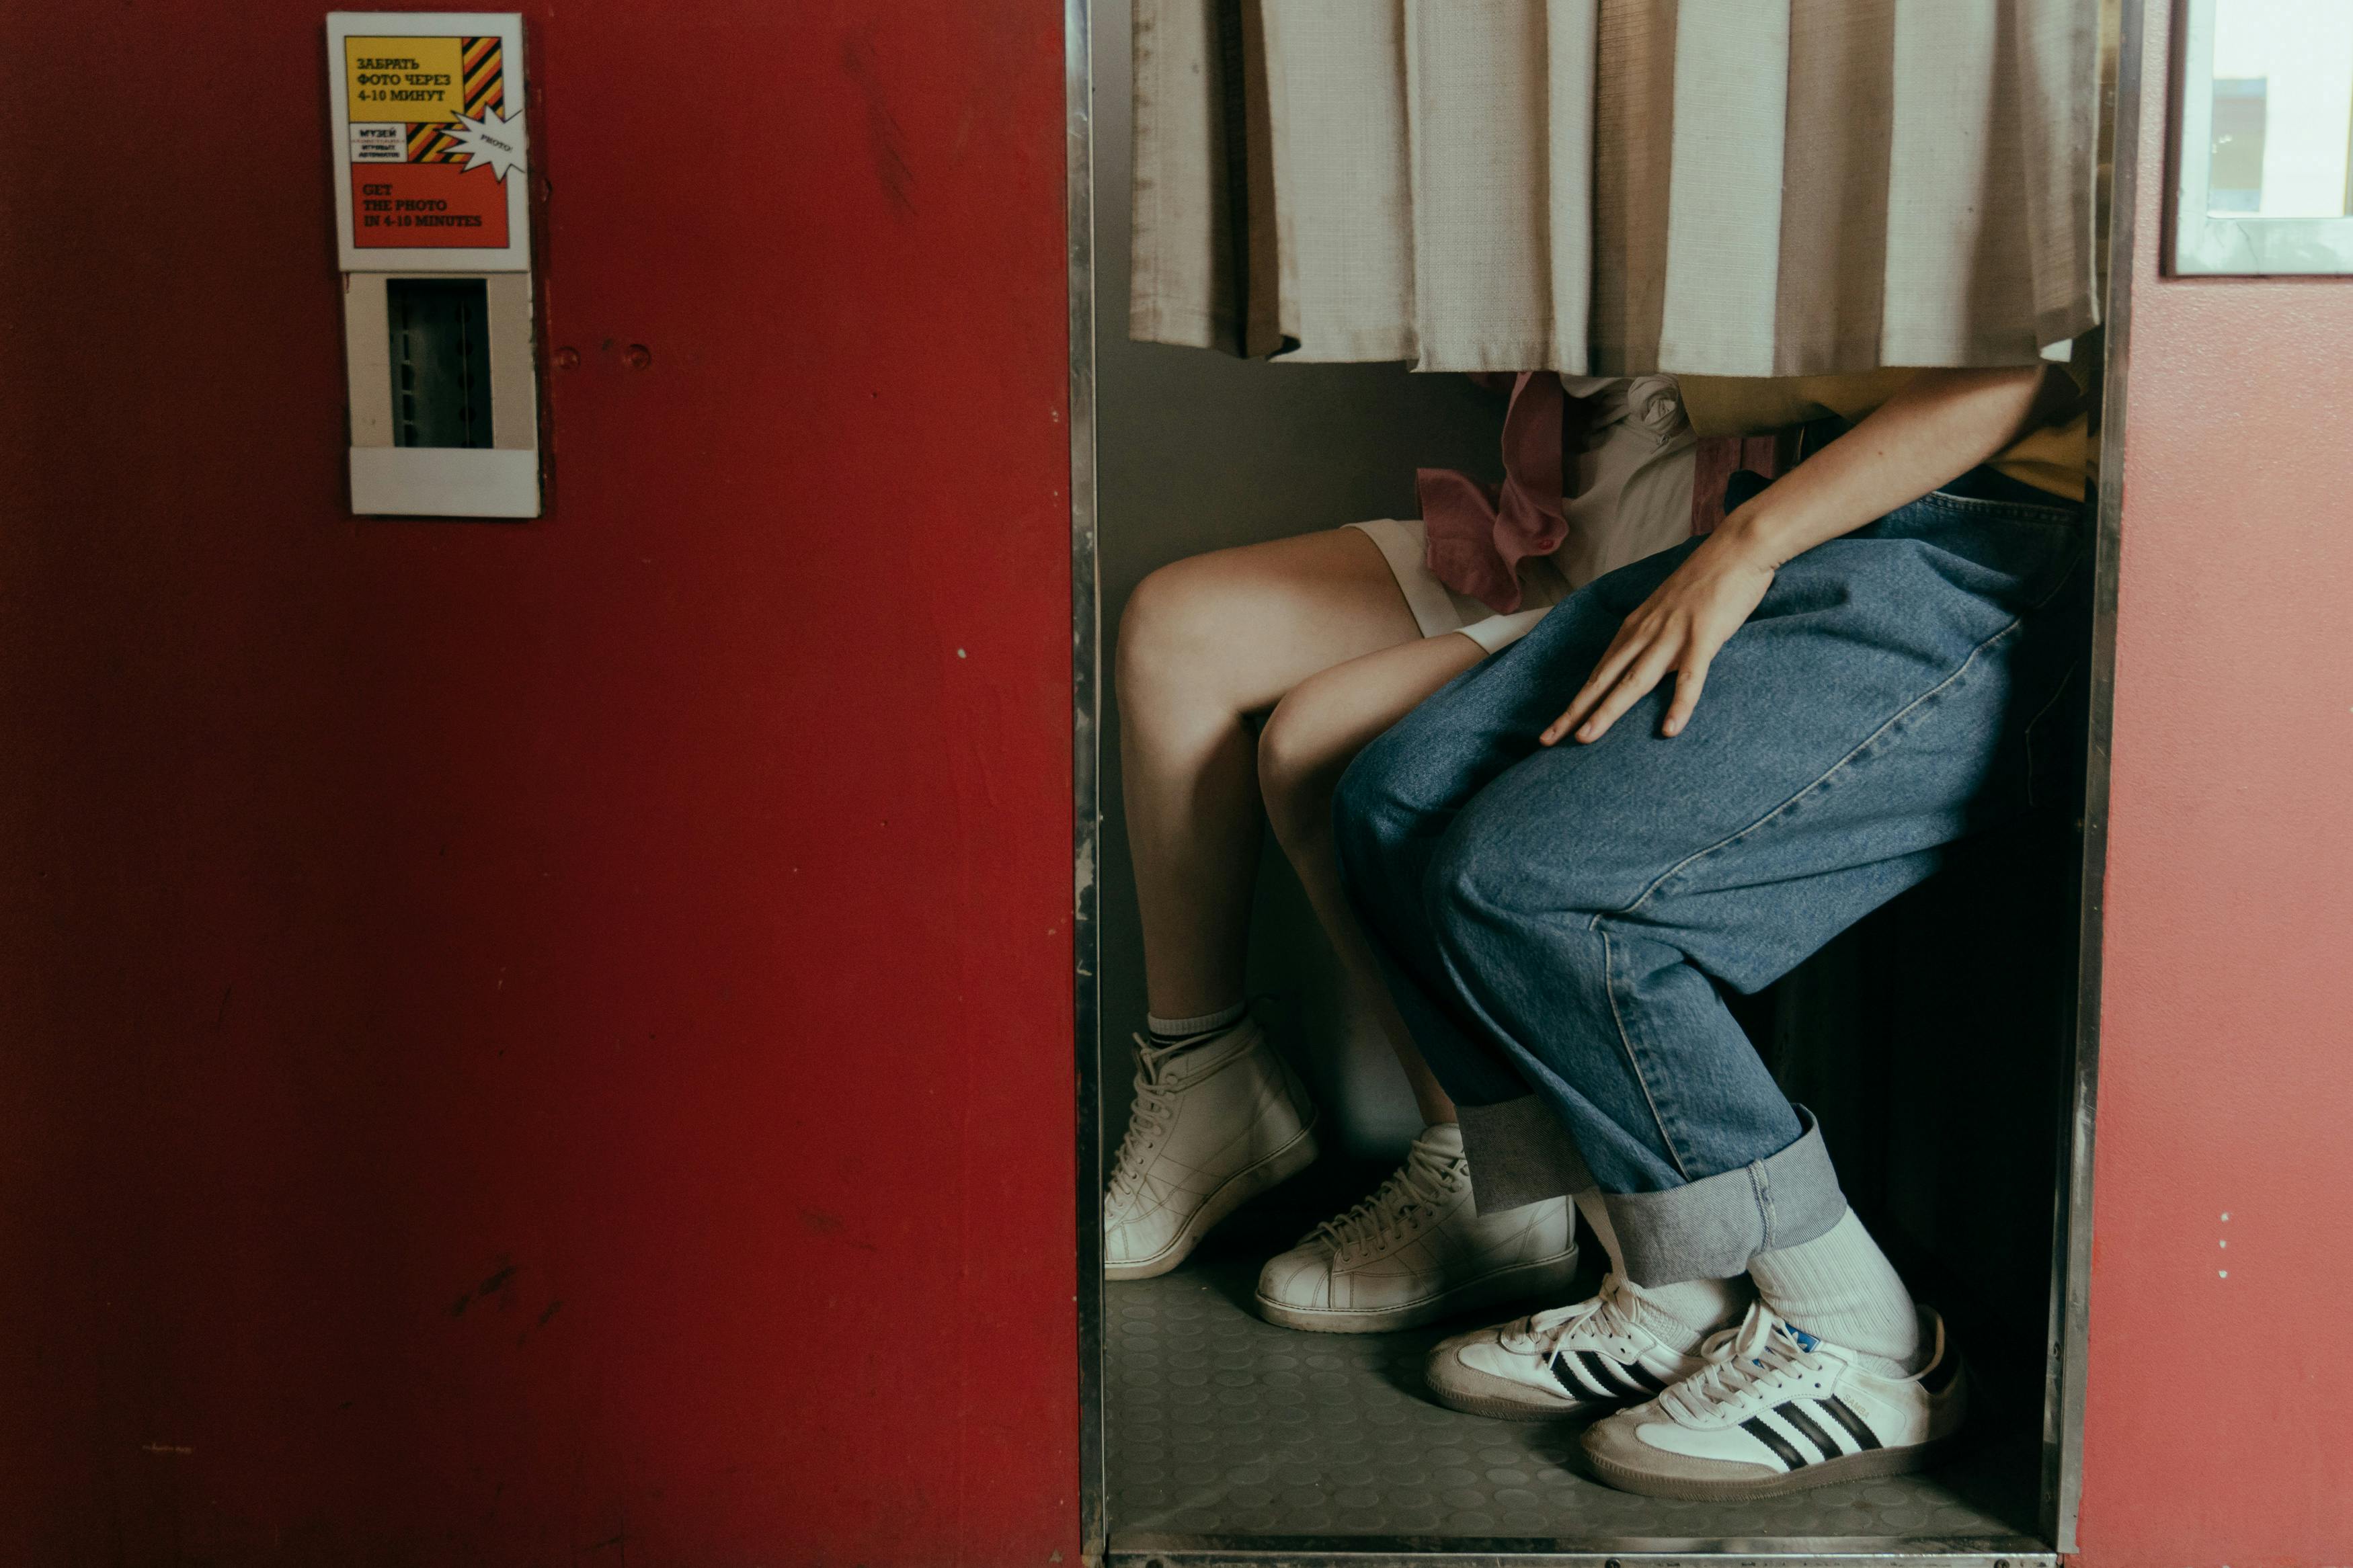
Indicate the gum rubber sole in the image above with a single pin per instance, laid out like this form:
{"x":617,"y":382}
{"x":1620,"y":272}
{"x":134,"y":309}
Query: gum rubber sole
{"x":1820,"y":1473}
{"x":1546,"y":1274}
{"x":1237,"y":1189}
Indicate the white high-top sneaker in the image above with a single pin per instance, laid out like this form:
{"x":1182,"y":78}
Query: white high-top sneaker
{"x":1216,"y":1123}
{"x":1779,"y":1410}
{"x":1417,"y":1250}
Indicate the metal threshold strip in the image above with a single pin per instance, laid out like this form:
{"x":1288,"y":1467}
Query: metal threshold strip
{"x":1138,"y":1549}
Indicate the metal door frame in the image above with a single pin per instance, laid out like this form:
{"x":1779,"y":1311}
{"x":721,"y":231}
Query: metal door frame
{"x":1086,"y":788}
{"x":2069,"y":1334}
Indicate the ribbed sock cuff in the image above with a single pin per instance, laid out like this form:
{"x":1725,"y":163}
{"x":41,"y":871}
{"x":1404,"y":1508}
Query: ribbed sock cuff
{"x":1169,"y":1031}
{"x":1689,"y":1311}
{"x":1841,"y":1286}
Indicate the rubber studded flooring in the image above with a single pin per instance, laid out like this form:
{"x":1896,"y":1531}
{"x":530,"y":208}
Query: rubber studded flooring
{"x":1219,"y":1424}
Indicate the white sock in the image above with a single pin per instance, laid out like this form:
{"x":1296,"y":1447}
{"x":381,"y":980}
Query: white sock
{"x":1173,"y":1031}
{"x":1841,"y":1286}
{"x":1681,"y":1314}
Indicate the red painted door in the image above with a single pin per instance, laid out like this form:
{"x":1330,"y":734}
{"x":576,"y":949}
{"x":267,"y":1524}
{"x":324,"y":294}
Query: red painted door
{"x":543,"y":1043}
{"x":2216,"y":1425}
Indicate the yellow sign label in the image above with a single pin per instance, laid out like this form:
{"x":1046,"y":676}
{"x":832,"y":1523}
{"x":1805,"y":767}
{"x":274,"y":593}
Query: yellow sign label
{"x":417,"y":80}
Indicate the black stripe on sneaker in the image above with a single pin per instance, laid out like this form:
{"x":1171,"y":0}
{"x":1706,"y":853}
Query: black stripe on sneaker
{"x":1838,"y":1411}
{"x":1782,"y":1450}
{"x":1564,"y":1374}
{"x":1609,"y":1374}
{"x":1803,"y":1425}
{"x":1651,"y":1381}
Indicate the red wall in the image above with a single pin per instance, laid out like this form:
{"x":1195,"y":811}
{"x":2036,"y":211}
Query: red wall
{"x":2220,"y":1426}
{"x":536,"y":1044}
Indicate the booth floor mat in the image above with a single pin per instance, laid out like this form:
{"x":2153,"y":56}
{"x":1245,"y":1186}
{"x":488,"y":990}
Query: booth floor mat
{"x":1219,"y":1424}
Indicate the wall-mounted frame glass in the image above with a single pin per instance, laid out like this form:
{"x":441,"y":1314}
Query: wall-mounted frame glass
{"x":2264,"y":137}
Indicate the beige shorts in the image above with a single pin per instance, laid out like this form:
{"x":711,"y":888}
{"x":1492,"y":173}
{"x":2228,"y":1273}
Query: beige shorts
{"x":1438,"y":609}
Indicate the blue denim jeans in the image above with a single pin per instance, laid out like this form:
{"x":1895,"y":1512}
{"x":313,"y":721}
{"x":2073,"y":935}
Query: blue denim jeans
{"x":1555,"y":921}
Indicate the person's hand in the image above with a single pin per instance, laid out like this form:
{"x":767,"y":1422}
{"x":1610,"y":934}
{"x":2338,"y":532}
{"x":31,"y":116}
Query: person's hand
{"x":1678,"y":627}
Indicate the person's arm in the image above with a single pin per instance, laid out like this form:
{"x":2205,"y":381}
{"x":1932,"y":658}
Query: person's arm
{"x":1940,"y":425}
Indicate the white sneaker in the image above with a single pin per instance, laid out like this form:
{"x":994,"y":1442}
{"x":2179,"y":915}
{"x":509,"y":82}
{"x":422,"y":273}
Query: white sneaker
{"x":1779,"y":1410}
{"x":1596,"y":1355}
{"x":1417,"y":1250}
{"x":1216,"y":1123}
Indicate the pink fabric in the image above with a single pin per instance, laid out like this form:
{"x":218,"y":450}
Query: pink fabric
{"x":1479,"y":533}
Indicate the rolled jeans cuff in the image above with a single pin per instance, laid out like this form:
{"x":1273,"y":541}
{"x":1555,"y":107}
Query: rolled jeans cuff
{"x":1710,"y":1228}
{"x":1519,"y":1154}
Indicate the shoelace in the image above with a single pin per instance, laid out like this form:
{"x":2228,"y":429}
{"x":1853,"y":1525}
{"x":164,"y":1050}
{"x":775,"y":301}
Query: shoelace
{"x":1610,"y":1314}
{"x":1422,"y":1186}
{"x":1741,"y":1359}
{"x":1149,"y":1119}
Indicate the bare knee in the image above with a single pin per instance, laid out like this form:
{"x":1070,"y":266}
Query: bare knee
{"x":1168,"y":634}
{"x":1302,"y":753}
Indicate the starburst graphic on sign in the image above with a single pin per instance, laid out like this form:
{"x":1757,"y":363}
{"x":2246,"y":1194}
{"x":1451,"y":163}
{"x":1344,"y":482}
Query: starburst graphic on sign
{"x":494,"y":141}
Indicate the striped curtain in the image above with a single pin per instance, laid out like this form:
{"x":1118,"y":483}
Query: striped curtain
{"x":1730,"y":187}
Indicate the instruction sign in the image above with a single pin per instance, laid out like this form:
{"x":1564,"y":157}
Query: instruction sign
{"x":432,"y":144}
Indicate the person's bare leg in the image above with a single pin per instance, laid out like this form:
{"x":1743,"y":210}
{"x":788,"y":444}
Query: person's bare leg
{"x":1218,"y":1115}
{"x":1203,"y":643}
{"x":1308,"y":742}
{"x":1417,"y":1248}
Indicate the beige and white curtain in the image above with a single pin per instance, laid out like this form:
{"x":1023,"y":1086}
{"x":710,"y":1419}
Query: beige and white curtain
{"x":1730,"y":187}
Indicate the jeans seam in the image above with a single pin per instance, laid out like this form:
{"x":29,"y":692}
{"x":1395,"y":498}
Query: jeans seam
{"x":1831,"y":772}
{"x":1760,"y":1181}
{"x":2072,"y":512}
{"x":1633,"y":1062}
